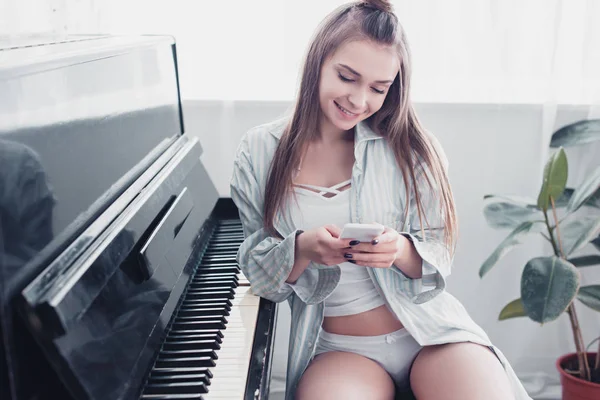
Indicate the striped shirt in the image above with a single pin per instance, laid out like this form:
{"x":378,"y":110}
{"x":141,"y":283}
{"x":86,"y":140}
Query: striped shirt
{"x":425,"y":308}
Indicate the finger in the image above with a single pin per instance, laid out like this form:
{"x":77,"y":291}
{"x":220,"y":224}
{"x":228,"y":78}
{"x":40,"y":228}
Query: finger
{"x":333,"y":230}
{"x":369,"y":258}
{"x":371,"y":248}
{"x":388,"y":235}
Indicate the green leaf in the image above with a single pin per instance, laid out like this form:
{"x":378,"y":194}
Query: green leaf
{"x":577,"y":232}
{"x":509,"y":211}
{"x":513,"y":239}
{"x":513,"y":309}
{"x":578,"y":133}
{"x":555,"y":179}
{"x":590,"y":296}
{"x":586,"y":190}
{"x":585,"y":261}
{"x":548,"y":285}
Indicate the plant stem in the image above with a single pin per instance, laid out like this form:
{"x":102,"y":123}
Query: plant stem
{"x":597,"y":363}
{"x":552,"y":241}
{"x":584,"y":367}
{"x":556,"y":226}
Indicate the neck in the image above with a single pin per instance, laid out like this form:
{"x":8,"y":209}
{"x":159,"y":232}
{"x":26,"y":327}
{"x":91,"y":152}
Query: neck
{"x":330,"y":134}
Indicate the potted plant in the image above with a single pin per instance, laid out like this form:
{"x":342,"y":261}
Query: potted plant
{"x":569,"y":219}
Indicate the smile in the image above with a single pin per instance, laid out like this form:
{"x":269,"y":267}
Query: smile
{"x":345,"y":111}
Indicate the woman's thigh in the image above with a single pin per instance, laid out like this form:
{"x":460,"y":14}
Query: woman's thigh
{"x":341,"y":375}
{"x":459,"y":371}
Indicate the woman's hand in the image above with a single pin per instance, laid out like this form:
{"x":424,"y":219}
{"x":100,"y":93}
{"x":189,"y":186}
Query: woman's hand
{"x":323,"y":246}
{"x":381,"y":252}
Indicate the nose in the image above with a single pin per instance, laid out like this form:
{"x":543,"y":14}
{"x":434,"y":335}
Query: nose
{"x":358,"y":99}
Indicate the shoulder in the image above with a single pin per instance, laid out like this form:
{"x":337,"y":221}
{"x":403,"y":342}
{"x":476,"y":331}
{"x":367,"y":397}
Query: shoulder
{"x":267,"y":134}
{"x":257,"y":146}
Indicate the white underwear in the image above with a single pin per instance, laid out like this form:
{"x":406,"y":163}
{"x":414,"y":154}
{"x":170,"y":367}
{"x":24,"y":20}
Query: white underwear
{"x":395,"y":351}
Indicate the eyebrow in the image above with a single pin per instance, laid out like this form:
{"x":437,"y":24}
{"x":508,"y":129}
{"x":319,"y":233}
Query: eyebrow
{"x":359,"y":75}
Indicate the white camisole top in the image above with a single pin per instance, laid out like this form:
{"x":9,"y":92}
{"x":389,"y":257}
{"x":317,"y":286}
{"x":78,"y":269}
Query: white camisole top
{"x":317,"y":206}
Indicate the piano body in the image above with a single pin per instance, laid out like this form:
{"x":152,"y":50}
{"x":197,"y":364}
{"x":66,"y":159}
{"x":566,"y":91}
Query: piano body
{"x":118,"y":277}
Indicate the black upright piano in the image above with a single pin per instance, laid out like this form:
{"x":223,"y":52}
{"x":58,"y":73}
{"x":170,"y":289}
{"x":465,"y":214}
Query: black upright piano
{"x":118,"y":277}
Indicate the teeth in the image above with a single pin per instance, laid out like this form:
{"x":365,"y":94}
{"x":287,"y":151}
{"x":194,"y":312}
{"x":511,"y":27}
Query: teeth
{"x":344,"y":110}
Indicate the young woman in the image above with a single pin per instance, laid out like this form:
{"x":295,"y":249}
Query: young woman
{"x":369,"y":320}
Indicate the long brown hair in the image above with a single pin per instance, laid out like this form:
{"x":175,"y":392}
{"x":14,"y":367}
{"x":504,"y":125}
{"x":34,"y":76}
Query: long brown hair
{"x":396,"y":121}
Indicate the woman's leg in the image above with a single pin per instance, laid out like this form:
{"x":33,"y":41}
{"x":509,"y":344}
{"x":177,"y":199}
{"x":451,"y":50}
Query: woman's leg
{"x":459,"y":371}
{"x":348,"y":376}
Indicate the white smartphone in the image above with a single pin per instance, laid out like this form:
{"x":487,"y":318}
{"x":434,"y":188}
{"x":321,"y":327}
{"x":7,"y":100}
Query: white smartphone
{"x":362,"y":232}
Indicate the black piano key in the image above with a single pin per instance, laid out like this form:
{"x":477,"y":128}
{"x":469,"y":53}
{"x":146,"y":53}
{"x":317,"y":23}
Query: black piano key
{"x":212,"y":324}
{"x":228,"y":276}
{"x":220,"y":286}
{"x":181,"y":396}
{"x":192,"y":344}
{"x":190,"y":387}
{"x":228,"y":239}
{"x":190,"y":335}
{"x":225,"y":262}
{"x":185,"y":353}
{"x":215,"y":251}
{"x":199,"y":311}
{"x":191,"y":332}
{"x":207,"y":295}
{"x":209,"y":284}
{"x":185,"y":362}
{"x":222,"y":247}
{"x":181,"y":371}
{"x":180,"y":378}
{"x":214,"y":267}
{"x":224,"y":305}
{"x":232,"y":240}
{"x":202,"y":318}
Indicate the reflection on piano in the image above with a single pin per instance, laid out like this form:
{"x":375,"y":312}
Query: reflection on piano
{"x":118,"y":277}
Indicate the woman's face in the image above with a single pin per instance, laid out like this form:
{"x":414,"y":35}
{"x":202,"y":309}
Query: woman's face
{"x":355,"y":81}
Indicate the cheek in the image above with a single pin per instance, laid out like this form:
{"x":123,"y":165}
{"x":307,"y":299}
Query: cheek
{"x":376,"y":104}
{"x":331,"y":88}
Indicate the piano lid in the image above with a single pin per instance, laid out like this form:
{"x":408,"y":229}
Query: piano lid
{"x":80,"y":120}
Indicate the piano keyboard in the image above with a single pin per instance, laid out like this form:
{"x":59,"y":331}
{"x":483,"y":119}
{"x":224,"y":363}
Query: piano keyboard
{"x":206,"y":354}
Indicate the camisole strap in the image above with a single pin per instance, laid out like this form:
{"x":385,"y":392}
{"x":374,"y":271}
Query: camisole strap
{"x":323,"y":190}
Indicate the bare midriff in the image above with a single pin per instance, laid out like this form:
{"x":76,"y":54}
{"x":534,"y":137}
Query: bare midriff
{"x":377,"y":321}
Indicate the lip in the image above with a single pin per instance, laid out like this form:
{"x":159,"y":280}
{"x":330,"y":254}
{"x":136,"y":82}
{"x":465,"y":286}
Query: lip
{"x":343,"y":114}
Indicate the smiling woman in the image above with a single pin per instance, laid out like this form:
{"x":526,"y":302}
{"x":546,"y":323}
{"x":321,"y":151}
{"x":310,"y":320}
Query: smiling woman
{"x":369,"y":319}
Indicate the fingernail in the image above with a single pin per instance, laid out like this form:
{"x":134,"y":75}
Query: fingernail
{"x":354,"y":242}
{"x":374,"y":241}
{"x":348,"y":255}
{"x":352,"y":261}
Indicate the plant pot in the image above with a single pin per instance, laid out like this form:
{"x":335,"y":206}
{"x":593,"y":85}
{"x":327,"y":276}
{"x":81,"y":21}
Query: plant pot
{"x":574,"y":388}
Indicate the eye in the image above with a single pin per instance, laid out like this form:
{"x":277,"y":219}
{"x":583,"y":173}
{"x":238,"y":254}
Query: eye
{"x":343,"y":78}
{"x":378,"y":91}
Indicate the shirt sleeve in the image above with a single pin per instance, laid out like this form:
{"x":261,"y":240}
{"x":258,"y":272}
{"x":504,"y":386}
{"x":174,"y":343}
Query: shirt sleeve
{"x":265,"y":260}
{"x":428,"y":239}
